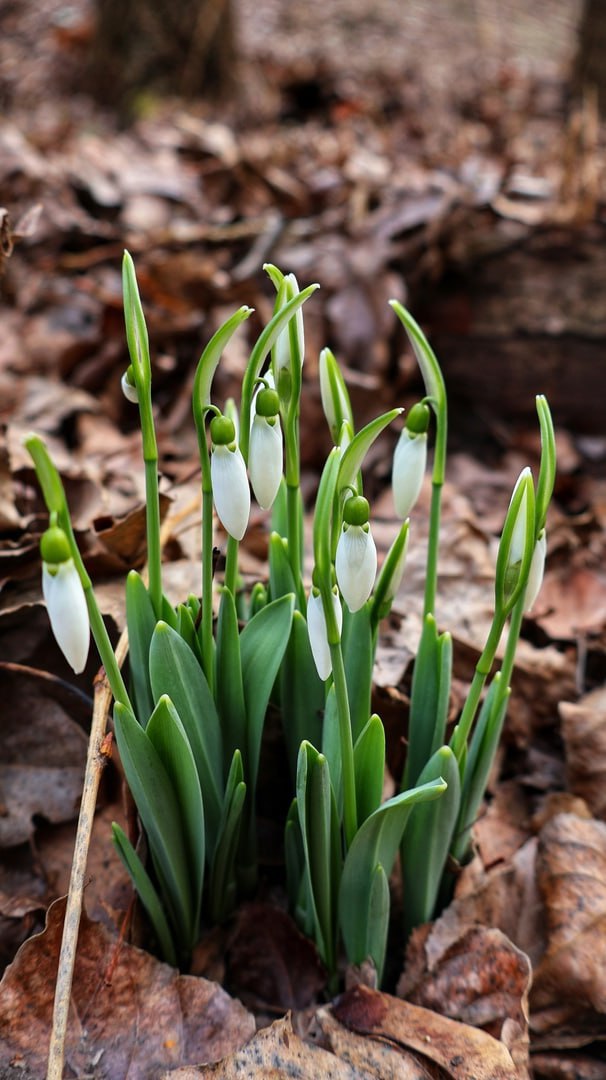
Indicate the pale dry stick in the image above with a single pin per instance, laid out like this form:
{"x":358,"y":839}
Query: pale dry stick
{"x":95,"y":762}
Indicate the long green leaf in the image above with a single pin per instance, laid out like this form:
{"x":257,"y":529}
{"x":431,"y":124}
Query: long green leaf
{"x":141,"y":623}
{"x":223,"y":874}
{"x":175,"y":671}
{"x":320,"y":837}
{"x":147,"y":893}
{"x":356,"y":451}
{"x":160,"y":814}
{"x":301,"y":692}
{"x":358,"y":656}
{"x":369,"y":766}
{"x":281,"y":579}
{"x":428,"y":700}
{"x":427,"y":841}
{"x":375,"y":844}
{"x":229,"y":687}
{"x":167,"y":734}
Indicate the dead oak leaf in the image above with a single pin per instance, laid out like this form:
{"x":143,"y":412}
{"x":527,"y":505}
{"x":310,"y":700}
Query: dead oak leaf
{"x":584,"y":734}
{"x":571,"y":874}
{"x":131,"y":1015}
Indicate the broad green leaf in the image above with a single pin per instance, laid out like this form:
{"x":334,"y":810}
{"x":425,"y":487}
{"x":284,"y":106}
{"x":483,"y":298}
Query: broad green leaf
{"x":147,"y":893}
{"x":160,"y":814}
{"x":369,"y":766}
{"x":427,"y":841}
{"x":167,"y":734}
{"x":229,"y":688}
{"x":262,"y":645}
{"x":428,"y":700}
{"x":208,"y":362}
{"x":301,"y":692}
{"x":175,"y":671}
{"x":331,"y":746}
{"x":375,"y":844}
{"x":141,"y":623}
{"x":281,"y":579}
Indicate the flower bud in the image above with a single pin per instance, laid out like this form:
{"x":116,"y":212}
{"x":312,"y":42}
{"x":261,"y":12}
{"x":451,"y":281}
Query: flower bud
{"x":282,"y":352}
{"x":356,"y":564}
{"x":231,"y":492}
{"x":67,"y":610}
{"x":265,"y":456}
{"x":335,"y":398}
{"x":129,"y":388}
{"x":535,"y":574}
{"x":409,"y":461}
{"x":316,"y":629}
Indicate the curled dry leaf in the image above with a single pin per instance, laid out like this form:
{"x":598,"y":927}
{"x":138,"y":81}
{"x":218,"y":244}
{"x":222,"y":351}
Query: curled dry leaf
{"x":131,"y":1015}
{"x":571,"y":874}
{"x":481,"y":979}
{"x":460,"y":1051}
{"x":370,"y":1057}
{"x":584,"y":734}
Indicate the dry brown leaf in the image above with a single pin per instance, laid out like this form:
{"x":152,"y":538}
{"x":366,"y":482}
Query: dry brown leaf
{"x":461,"y":1051}
{"x":571,"y":874}
{"x":43,"y":756}
{"x":370,"y":1057}
{"x":584,"y":734}
{"x":274,"y":1053}
{"x":572,"y":602}
{"x":481,"y":979}
{"x":551,"y":1066}
{"x":131,"y":1015}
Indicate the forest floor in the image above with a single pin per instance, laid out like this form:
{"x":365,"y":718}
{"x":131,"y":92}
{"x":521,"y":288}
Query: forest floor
{"x":431,"y":152}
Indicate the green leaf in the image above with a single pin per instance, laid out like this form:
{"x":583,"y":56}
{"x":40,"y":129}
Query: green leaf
{"x":301,"y":692}
{"x":175,"y":671}
{"x":160,"y":814}
{"x":428,"y":700}
{"x":375,"y":844}
{"x":547,"y":470}
{"x":390,"y":576}
{"x":223,"y":874}
{"x":427,"y":841}
{"x":369,"y":766}
{"x":322,"y":526}
{"x":358,"y":656}
{"x":321,"y":845}
{"x":229,"y":687}
{"x":262,"y":645}
{"x":354,"y":454}
{"x":281,"y":579}
{"x":209,"y":360}
{"x":167,"y":734}
{"x":186,"y":629}
{"x":147,"y":893}
{"x":141,"y":623}
{"x":424,"y":354}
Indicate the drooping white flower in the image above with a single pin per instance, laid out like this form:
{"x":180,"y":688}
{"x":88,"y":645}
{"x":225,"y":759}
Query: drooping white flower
{"x":231,"y":492}
{"x":409,"y":462}
{"x":316,"y":629}
{"x":535,"y":575}
{"x":265,"y":456}
{"x":356,"y":559}
{"x":67,"y":611}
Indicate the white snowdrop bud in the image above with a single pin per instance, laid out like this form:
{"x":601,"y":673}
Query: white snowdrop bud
{"x":356,"y":559}
{"x":67,"y":610}
{"x":282,"y":349}
{"x":128,"y":386}
{"x":316,"y":629}
{"x":409,"y":462}
{"x":265,"y":454}
{"x":231,"y":492}
{"x":535,"y":575}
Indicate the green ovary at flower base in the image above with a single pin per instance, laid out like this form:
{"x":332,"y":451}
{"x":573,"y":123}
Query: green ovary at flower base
{"x":203,"y":674}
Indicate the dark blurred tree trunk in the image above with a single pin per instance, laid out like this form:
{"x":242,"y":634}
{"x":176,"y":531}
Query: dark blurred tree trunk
{"x":590,"y":67}
{"x":167,"y":47}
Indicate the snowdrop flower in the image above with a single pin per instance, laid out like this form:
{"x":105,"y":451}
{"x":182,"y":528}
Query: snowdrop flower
{"x":335,"y":398}
{"x":128,"y":386}
{"x":356,"y":559}
{"x":535,"y":575}
{"x":265,"y":453}
{"x":410,"y":460}
{"x":65,"y":599}
{"x":316,"y":628}
{"x":282,"y":352}
{"x":514,"y":556}
{"x":231,"y":493}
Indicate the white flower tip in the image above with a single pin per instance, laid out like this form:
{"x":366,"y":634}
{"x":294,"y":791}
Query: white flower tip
{"x":231,"y":492}
{"x":536,"y":572}
{"x":67,"y":612}
{"x":129,"y":391}
{"x":316,"y":629}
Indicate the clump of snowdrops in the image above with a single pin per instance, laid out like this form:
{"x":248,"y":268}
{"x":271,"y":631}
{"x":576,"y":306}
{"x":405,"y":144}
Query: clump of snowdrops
{"x":189,"y":726}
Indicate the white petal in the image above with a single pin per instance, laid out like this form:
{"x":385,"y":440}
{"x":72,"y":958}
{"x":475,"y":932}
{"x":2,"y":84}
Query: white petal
{"x":129,"y":391}
{"x":316,"y":628}
{"x":67,"y":612}
{"x":231,"y":493}
{"x":517,"y":547}
{"x":265,"y":460}
{"x":409,"y":461}
{"x":537,"y":569}
{"x":356,"y":565}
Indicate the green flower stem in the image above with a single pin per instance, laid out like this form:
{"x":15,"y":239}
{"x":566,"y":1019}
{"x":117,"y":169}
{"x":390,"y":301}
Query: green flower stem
{"x":231,"y":566}
{"x":433,"y":544}
{"x":350,"y":814}
{"x":513,"y":636}
{"x":483,"y":668}
{"x":207,"y":586}
{"x":105,"y":650}
{"x":152,"y":519}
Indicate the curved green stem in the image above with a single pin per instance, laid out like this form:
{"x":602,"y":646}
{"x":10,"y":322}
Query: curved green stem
{"x":152,"y":522}
{"x":350,"y":814}
{"x":483,"y":668}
